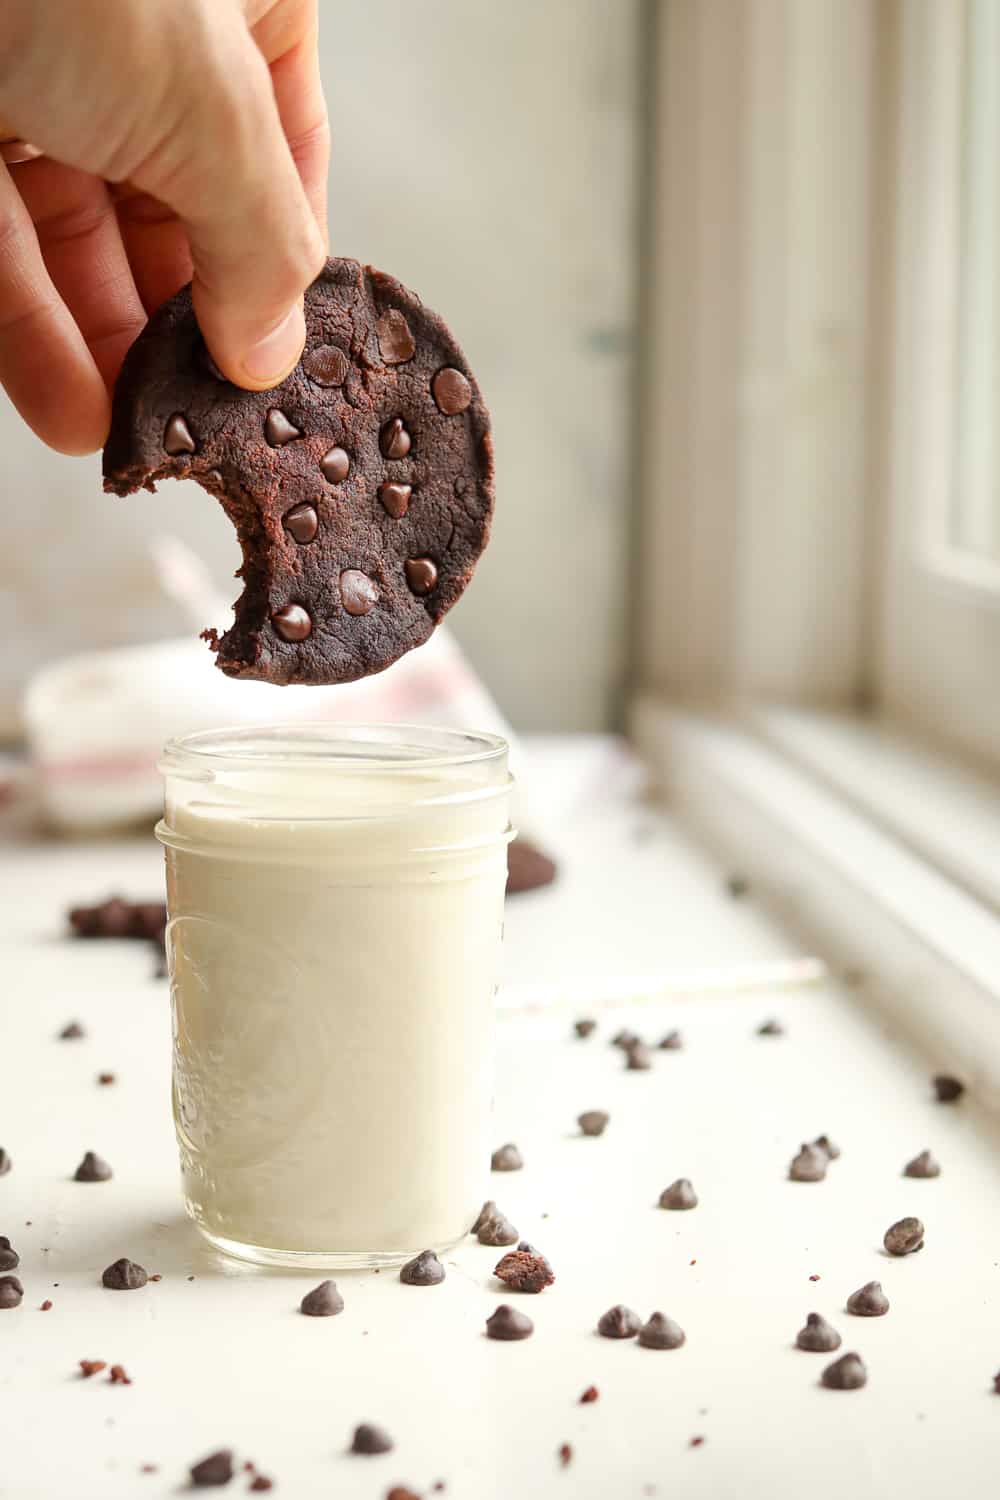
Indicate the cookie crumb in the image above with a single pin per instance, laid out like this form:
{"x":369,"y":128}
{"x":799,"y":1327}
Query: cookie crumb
{"x":46,"y":1305}
{"x":696,"y":1442}
{"x":565,"y":1455}
{"x":589,"y":1395}
{"x":524,"y":1271}
{"x":946,"y":1088}
{"x":117,"y":1375}
{"x":90,"y":1367}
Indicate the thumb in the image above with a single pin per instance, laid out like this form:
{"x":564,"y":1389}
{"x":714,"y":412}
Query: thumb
{"x":227,"y":171}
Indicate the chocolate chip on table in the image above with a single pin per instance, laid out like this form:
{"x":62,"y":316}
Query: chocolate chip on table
{"x":903,"y":1237}
{"x":625,"y":1038}
{"x":400,"y":1492}
{"x":528,"y":867}
{"x":324,"y":1301}
{"x":947,"y":1089}
{"x":817,"y":1336}
{"x":124,"y":1276}
{"x":661,"y":1332}
{"x":638,"y":1058}
{"x":679,"y":1194}
{"x":370,"y":1440}
{"x":584,"y":1028}
{"x":117,"y":1375}
{"x":336,"y":465}
{"x":11,"y":1292}
{"x":90,"y":1367}
{"x":924,"y":1165}
{"x":869,"y":1301}
{"x":593,"y":1121}
{"x":508,"y":1324}
{"x":105,"y":1078}
{"x":565,"y":1454}
{"x":810,"y":1165}
{"x":9,"y":1258}
{"x":451,"y":391}
{"x":496,"y":1228}
{"x":216,"y":1469}
{"x":770,"y":1028}
{"x":92,"y":1169}
{"x":589,"y":1395}
{"x":46,"y":1306}
{"x":72,"y":1032}
{"x":116,"y":918}
{"x":292,"y":623}
{"x":845,"y":1374}
{"x":301,"y":523}
{"x":672,"y":1042}
{"x":423,"y":1270}
{"x":524,"y":1271}
{"x":619,"y":1322}
{"x":996,"y":1383}
{"x":5,"y":1162}
{"x":824,"y":1143}
{"x":506,"y":1159}
{"x":358,"y":593}
{"x":737,"y":886}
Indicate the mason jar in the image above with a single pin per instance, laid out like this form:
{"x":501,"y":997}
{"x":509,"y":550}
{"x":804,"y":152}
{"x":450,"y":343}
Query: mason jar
{"x":335,"y":907}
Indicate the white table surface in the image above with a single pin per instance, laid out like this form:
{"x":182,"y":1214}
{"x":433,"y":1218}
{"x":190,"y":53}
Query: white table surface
{"x":226,"y":1359}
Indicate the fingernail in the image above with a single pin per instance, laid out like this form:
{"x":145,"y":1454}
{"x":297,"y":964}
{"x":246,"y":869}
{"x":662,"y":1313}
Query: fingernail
{"x":272,"y":357}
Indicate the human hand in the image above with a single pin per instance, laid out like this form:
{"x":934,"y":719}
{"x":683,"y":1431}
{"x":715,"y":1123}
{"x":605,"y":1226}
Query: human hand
{"x":182,"y":139}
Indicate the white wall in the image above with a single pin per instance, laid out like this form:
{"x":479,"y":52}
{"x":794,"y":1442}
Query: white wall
{"x":485,"y":153}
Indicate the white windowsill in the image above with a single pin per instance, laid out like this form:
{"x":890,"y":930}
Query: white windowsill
{"x":867,"y":896}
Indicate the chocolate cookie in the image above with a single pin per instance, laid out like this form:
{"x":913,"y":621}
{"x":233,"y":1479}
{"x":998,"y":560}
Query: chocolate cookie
{"x":361,"y":488}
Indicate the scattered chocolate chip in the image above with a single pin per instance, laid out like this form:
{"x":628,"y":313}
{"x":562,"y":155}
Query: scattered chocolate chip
{"x":394,"y":439}
{"x":116,"y":918}
{"x":11,"y":1291}
{"x":396,"y":343}
{"x":524,"y":1271}
{"x":90,"y":1367}
{"x":818,"y":1336}
{"x":824,"y":1143}
{"x":869,"y":1301}
{"x":496,"y":1229}
{"x":278,"y":430}
{"x":638,"y":1058}
{"x":9,"y":1258}
{"x":259,"y":1483}
{"x":996,"y":1383}
{"x":358,"y":593}
{"x":5,"y":1164}
{"x":810,"y":1165}
{"x":326,"y":365}
{"x":584,"y":1028}
{"x":589,"y":1395}
{"x":117,"y":1375}
{"x":336,"y":465}
{"x":845,"y":1374}
{"x":506,"y":1159}
{"x":625,"y":1039}
{"x":924,"y":1165}
{"x":400,"y":1492}
{"x":528,"y":867}
{"x":771,"y":1028}
{"x":324,"y":1301}
{"x":216,"y":1469}
{"x":679,"y":1194}
{"x":370,"y":1440}
{"x":593,"y":1121}
{"x":395,"y":499}
{"x":72,"y":1033}
{"x":737,"y":886}
{"x":92,"y":1169}
{"x":421,"y":574}
{"x":452,"y":392}
{"x":423,"y":1270}
{"x":565,"y":1455}
{"x":124,"y":1276}
{"x":105,"y":1078}
{"x":672,"y":1042}
{"x":661,"y":1332}
{"x":46,"y":1306}
{"x":903,"y":1237}
{"x":292,"y":623}
{"x":619,"y":1322}
{"x":177,"y":437}
{"x":947,"y":1089}
{"x":508,"y":1324}
{"x":301,"y":523}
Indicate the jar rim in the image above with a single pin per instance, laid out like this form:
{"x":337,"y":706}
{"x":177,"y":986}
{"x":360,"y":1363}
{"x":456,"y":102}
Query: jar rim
{"x":344,"y":747}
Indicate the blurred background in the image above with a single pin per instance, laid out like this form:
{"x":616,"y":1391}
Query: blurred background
{"x":727,"y":271}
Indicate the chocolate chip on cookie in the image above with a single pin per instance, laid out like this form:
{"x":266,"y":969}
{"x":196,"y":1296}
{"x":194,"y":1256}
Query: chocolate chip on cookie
{"x":361,"y":488}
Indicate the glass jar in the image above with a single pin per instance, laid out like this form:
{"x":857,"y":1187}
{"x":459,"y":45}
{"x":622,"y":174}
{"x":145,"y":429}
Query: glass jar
{"x":335,"y":907}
